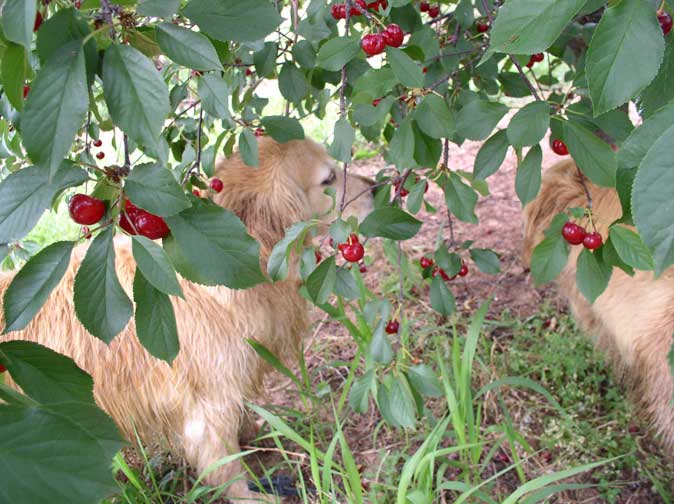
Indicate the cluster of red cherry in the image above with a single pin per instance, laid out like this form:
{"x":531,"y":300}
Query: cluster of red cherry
{"x":432,"y":10}
{"x":338,"y":11}
{"x":575,"y":235}
{"x":427,"y":262}
{"x":375,"y":43}
{"x":535,"y":58}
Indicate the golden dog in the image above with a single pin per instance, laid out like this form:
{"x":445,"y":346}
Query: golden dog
{"x":633,"y":319}
{"x":198,"y":402}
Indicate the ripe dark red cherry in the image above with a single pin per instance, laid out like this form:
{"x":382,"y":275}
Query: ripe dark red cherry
{"x":97,"y":142}
{"x":392,"y":327}
{"x":482,"y":27}
{"x":573,"y":233}
{"x":592,"y":241}
{"x":26,"y":90}
{"x":38,"y":22}
{"x":376,"y":101}
{"x":362,"y":268}
{"x":393,"y":35}
{"x":259,"y":132}
{"x":100,"y":155}
{"x":216,"y":184}
{"x":373,"y":44}
{"x":434,"y":11}
{"x":538,"y":57}
{"x":665,"y":20}
{"x":248,"y":72}
{"x":318,"y":256}
{"x":439,"y":271}
{"x":424,"y":70}
{"x":426,"y":262}
{"x":150,"y":225}
{"x":2,"y":368}
{"x":338,"y":11}
{"x":424,"y":6}
{"x":86,"y":210}
{"x":464,"y":270}
{"x":559,"y":147}
{"x":379,"y":3}
{"x":353,"y":252}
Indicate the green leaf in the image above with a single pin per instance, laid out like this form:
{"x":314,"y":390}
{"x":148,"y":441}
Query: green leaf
{"x":442,"y":299}
{"x":234,"y":20}
{"x":624,"y":184}
{"x":380,"y":347}
{"x":304,"y":54}
{"x":100,"y":301}
{"x":154,"y":188}
{"x":486,"y":260}
{"x":277,"y":265}
{"x":627,"y":32}
{"x":396,"y":403}
{"x":528,"y":178}
{"x":549,"y":258}
{"x":69,"y":444}
{"x":401,"y":146}
{"x":210,"y":245}
{"x":375,"y":82}
{"x":652,"y":208}
{"x":477,"y":119}
{"x":14,"y":68}
{"x":531,"y":26}
{"x":406,"y":70}
{"x":158,"y":8}
{"x":424,"y":380}
{"x":18,"y":19}
{"x":390,"y":222}
{"x":56,"y":107}
{"x":283,"y":129}
{"x":31,"y":287}
{"x":337,"y":52}
{"x":594,"y":156}
{"x":248,"y":148}
{"x":635,"y":147}
{"x":292,"y":83}
{"x":155,"y":265}
{"x":46,"y":376}
{"x":265,"y":59}
{"x":135,"y":93}
{"x":461,"y":199}
{"x":529,"y":125}
{"x":345,"y":284}
{"x":155,"y":320}
{"x":321,"y":282}
{"x":360,"y":391}
{"x":344,"y":136}
{"x":491,"y":155}
{"x":660,"y":91}
{"x":27,"y":193}
{"x":592,"y":275}
{"x":186,"y":47}
{"x":434,"y":117}
{"x":631,"y":248}
{"x":367,"y":114}
{"x":214,"y":95}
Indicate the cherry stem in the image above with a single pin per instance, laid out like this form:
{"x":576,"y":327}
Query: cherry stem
{"x":585,"y":188}
{"x":342,"y":108}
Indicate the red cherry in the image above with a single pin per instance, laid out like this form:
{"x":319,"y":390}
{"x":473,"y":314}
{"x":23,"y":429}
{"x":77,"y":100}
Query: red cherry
{"x":357,"y":12}
{"x":439,"y":271}
{"x":573,"y":233}
{"x":125,"y":223}
{"x":559,"y":147}
{"x":318,"y":256}
{"x":353,"y":252}
{"x":424,"y":70}
{"x":538,"y":57}
{"x":338,"y":11}
{"x":464,"y":270}
{"x":424,"y":7}
{"x":633,"y":429}
{"x":426,"y":262}
{"x":393,"y":35}
{"x":248,"y":72}
{"x":592,"y":241}
{"x":216,"y":184}
{"x":482,"y":27}
{"x":100,"y":155}
{"x":259,"y":132}
{"x":86,"y":233}
{"x":379,"y":3}
{"x":362,"y":268}
{"x":434,"y":11}
{"x":530,"y":63}
{"x":373,"y":44}
{"x":2,"y":368}
{"x":376,"y":101}
{"x":392,"y":327}
{"x":38,"y":21}
{"x":665,"y":20}
{"x":150,"y":225}
{"x":97,"y":143}
{"x":26,"y":90}
{"x":86,"y":210}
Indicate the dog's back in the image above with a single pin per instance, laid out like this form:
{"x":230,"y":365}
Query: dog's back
{"x":633,"y":320}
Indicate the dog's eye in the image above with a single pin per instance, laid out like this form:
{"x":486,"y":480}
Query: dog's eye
{"x":331,"y":178}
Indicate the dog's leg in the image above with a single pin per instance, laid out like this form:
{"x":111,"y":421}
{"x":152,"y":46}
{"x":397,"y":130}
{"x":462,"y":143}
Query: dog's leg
{"x":209,"y":437}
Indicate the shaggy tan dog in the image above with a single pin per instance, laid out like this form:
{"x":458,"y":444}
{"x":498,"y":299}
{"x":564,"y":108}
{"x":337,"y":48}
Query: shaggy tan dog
{"x":633,"y":319}
{"x":198,"y":402}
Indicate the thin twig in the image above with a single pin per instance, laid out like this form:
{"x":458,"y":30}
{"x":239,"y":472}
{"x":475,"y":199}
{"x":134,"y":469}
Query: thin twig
{"x":445,"y":162}
{"x":342,"y":107}
{"x":127,"y":154}
{"x":585,"y":188}
{"x":440,"y":18}
{"x":366,"y":190}
{"x":197,"y":162}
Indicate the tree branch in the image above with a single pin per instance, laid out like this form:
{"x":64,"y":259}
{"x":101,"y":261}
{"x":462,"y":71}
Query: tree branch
{"x":342,"y":108}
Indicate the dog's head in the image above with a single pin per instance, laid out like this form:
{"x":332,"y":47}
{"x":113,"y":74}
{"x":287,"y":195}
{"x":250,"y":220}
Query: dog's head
{"x":562,"y":188}
{"x":288,"y":186}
